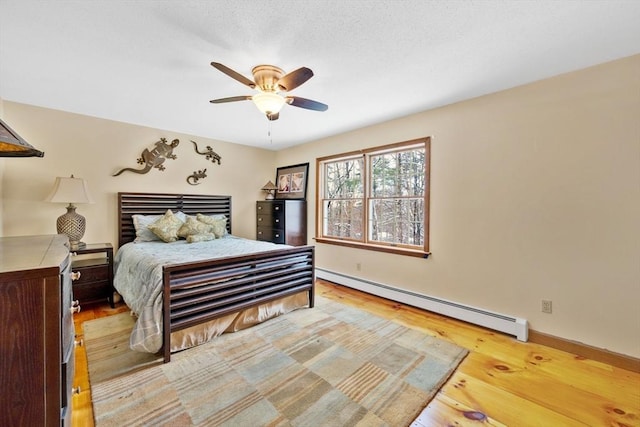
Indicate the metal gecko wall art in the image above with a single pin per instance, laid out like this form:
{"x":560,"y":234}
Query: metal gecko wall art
{"x":162,"y":151}
{"x":154,"y":158}
{"x":209,"y":154}
{"x":196,"y":176}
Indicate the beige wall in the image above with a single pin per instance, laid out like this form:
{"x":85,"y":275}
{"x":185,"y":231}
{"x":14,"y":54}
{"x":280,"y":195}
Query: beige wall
{"x":1,"y":175}
{"x":535,"y":194}
{"x":94,"y":149}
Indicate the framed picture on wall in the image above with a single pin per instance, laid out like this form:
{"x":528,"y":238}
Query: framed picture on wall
{"x":292,"y":181}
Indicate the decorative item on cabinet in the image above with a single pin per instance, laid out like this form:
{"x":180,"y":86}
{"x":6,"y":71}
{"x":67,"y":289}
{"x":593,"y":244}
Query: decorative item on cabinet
{"x":270,"y":188}
{"x":282,"y":221}
{"x":292,"y":182}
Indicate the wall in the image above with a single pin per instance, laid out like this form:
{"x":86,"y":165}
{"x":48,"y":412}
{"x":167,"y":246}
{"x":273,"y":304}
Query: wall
{"x":1,"y":174}
{"x":94,"y":149}
{"x":535,"y":194}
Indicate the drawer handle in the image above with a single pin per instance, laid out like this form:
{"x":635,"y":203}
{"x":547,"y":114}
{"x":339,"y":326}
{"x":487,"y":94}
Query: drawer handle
{"x":75,"y":307}
{"x":277,"y":220}
{"x":75,"y":275}
{"x":259,"y":208}
{"x":79,"y":343}
{"x":277,"y":235}
{"x":277,"y":208}
{"x":259,"y":232}
{"x":259,"y":219}
{"x":76,"y":390}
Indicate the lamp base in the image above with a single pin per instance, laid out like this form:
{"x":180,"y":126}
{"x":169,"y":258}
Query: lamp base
{"x":73,"y":225}
{"x":269,"y":196}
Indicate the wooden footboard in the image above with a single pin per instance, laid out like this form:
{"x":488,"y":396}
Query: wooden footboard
{"x":195,"y":293}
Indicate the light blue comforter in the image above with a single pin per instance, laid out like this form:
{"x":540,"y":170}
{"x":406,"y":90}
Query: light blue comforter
{"x":138,"y":277}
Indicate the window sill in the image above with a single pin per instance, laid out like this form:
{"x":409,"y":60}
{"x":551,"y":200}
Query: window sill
{"x":377,"y":248}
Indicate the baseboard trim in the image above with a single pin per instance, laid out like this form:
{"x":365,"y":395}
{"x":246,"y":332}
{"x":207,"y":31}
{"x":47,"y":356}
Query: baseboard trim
{"x":618,"y":360}
{"x":498,"y":322}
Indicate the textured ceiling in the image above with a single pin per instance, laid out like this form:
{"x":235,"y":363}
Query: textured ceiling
{"x":147,"y":62}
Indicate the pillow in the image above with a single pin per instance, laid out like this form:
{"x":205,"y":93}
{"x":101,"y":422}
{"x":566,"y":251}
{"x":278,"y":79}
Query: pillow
{"x":204,"y":237}
{"x":219,"y":223}
{"x":142,"y":222}
{"x":193,"y":226}
{"x":166,"y":227}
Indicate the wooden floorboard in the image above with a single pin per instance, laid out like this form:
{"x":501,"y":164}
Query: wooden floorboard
{"x":502,"y":382}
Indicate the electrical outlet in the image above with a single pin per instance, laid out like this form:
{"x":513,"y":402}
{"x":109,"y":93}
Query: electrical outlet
{"x":358,"y":266}
{"x":546,"y":306}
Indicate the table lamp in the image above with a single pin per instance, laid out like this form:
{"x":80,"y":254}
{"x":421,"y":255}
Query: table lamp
{"x":270,"y":188}
{"x":71,"y":190}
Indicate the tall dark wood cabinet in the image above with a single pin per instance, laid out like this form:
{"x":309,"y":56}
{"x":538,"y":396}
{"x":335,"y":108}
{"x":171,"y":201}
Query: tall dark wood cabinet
{"x":36,"y":331}
{"x":282,"y":221}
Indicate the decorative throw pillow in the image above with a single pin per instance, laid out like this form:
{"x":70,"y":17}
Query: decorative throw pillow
{"x":193,"y":226}
{"x":142,"y":222}
{"x":166,"y":227}
{"x":205,"y":237}
{"x":219,"y":223}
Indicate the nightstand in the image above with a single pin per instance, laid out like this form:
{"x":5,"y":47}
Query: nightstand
{"x":94,"y":262}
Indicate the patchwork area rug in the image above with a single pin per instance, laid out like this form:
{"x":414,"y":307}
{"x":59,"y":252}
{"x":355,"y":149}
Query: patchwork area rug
{"x":332,"y":365}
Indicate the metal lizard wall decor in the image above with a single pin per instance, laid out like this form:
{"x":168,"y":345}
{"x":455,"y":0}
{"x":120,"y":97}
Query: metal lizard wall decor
{"x":196,"y":176}
{"x":209,"y":154}
{"x":154,"y":158}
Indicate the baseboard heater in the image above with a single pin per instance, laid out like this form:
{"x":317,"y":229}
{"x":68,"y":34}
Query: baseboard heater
{"x":499,"y":322}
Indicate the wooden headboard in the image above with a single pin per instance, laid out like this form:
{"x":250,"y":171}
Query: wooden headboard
{"x":130,"y":204}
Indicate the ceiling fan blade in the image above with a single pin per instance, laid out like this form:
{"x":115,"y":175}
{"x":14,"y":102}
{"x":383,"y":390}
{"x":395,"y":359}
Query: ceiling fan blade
{"x":230,"y":99}
{"x":295,"y":78}
{"x":234,"y":74}
{"x":273,"y":116}
{"x":309,"y":104}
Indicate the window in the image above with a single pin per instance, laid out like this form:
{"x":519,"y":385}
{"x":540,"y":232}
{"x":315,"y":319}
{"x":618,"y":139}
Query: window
{"x":376,"y":198}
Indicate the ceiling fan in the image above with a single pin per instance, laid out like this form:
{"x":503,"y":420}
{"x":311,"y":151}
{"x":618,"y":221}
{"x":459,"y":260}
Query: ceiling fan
{"x":269,"y":81}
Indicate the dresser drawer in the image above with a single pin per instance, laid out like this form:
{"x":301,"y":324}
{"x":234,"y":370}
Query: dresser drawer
{"x":93,"y":273}
{"x":68,"y":371}
{"x":274,"y":221}
{"x":91,"y":292}
{"x":270,"y":208}
{"x":271,"y":235}
{"x":66,"y":317}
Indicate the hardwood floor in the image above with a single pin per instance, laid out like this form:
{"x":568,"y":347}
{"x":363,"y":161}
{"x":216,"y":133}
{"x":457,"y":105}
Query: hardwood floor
{"x":502,"y":382}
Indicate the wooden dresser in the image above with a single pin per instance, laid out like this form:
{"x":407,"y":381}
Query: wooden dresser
{"x":36,"y":331}
{"x":282,"y":221}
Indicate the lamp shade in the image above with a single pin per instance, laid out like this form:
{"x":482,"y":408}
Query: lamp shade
{"x":70,"y":190}
{"x":12,"y":145}
{"x":268,"y":102}
{"x":269,"y":186}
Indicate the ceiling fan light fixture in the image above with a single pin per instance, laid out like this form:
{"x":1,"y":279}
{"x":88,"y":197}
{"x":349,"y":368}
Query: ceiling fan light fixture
{"x":268,"y":102}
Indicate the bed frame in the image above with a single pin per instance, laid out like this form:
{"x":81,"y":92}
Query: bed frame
{"x":194,"y":293}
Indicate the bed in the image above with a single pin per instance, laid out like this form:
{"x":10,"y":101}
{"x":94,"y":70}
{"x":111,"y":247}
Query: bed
{"x":207,"y":295}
